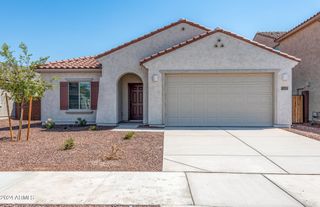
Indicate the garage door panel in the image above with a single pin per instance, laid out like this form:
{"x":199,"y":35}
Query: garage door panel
{"x":219,"y":100}
{"x":172,"y":106}
{"x":185,"y":105}
{"x":199,"y":106}
{"x":199,"y":89}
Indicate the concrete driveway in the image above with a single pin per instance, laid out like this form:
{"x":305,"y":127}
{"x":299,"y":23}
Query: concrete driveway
{"x":240,"y":150}
{"x":245,"y":166}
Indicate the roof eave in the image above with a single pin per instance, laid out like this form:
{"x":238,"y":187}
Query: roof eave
{"x":311,"y":20}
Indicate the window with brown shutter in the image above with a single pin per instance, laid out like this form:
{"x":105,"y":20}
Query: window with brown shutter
{"x":63,"y":95}
{"x":94,"y":95}
{"x":79,"y":95}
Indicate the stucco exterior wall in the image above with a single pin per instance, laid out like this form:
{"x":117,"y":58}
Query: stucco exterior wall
{"x":126,"y":60}
{"x":50,"y":103}
{"x":265,"y":40}
{"x":235,"y":56}
{"x":305,"y":44}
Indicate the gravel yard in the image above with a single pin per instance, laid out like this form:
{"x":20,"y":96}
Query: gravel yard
{"x":44,"y":150}
{"x":308,"y":130}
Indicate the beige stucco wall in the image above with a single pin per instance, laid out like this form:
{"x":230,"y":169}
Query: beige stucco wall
{"x":50,"y":103}
{"x":3,"y":107}
{"x":305,"y":44}
{"x":126,"y":60}
{"x":235,"y":56}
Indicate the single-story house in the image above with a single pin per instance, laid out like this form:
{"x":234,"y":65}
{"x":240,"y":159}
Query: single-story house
{"x":302,"y":41}
{"x":183,"y":74}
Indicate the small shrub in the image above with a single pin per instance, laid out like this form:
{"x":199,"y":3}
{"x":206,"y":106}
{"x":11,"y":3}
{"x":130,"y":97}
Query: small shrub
{"x":129,"y":135}
{"x":49,"y":124}
{"x":93,"y":128}
{"x":115,"y":154}
{"x":81,"y":122}
{"x":68,"y":144}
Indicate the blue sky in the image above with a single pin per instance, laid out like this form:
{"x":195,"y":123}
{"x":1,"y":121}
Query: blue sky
{"x":71,"y":28}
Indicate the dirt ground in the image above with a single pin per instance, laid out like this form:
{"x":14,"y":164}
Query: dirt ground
{"x":44,"y":150}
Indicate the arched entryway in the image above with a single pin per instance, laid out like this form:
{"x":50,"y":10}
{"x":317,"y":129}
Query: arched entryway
{"x":130,"y":98}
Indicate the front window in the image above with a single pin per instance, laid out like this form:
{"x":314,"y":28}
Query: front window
{"x":79,"y":95}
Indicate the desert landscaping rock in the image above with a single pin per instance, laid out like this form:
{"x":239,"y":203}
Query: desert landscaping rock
{"x":308,"y":131}
{"x":43,"y":151}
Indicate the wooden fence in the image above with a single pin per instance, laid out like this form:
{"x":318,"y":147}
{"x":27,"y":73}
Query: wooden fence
{"x":297,"y":109}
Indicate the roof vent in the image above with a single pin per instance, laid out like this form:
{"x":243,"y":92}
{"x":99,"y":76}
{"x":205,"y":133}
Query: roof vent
{"x":219,"y":43}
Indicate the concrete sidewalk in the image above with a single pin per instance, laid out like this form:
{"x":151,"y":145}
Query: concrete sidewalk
{"x":159,"y":188}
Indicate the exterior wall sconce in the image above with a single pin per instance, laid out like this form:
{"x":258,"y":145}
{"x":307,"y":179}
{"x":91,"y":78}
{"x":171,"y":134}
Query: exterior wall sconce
{"x":284,"y":77}
{"x":155,"y":78}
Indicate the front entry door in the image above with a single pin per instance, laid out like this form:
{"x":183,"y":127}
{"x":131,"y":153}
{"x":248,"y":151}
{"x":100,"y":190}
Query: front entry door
{"x":135,"y":101}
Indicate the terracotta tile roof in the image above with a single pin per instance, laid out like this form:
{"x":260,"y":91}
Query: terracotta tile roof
{"x":273,"y":35}
{"x":300,"y":26}
{"x":76,"y":63}
{"x":196,"y":38}
{"x":151,"y":34}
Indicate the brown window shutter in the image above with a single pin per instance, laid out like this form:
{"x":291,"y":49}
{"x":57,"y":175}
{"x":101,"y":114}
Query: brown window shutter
{"x":63,"y":95}
{"x":94,"y":94}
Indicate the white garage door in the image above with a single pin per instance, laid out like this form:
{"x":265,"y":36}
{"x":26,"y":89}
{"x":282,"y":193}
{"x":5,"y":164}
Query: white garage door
{"x":219,"y":100}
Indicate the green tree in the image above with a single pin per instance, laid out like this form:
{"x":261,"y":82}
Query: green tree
{"x":18,"y":77}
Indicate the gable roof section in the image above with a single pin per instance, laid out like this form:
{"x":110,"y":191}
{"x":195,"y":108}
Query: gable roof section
{"x":272,"y":35}
{"x":151,"y":34}
{"x":91,"y":62}
{"x":76,"y":63}
{"x":299,"y":27}
{"x":201,"y":36}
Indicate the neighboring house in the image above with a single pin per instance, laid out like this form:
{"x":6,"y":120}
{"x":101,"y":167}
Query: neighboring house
{"x":15,"y":109}
{"x":180,"y":75}
{"x":302,"y":41}
{"x":3,"y":107}
{"x":268,"y":38}
{"x":36,"y":110}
